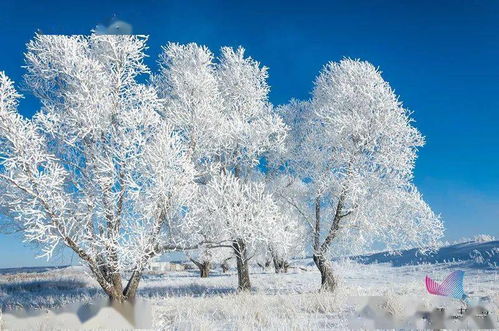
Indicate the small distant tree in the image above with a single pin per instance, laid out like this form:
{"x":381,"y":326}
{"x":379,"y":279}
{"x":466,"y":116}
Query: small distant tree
{"x":205,"y":258}
{"x":353,"y":143}
{"x":203,"y":261}
{"x":263,"y":261}
{"x":289,"y":194}
{"x":483,"y":238}
{"x":96,"y":169}
{"x":289,"y":245}
{"x":224,"y":265}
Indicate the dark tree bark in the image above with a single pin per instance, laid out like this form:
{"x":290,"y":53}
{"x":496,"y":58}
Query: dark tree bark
{"x":107,"y":280}
{"x":243,"y":277}
{"x":225,"y":265}
{"x":204,"y":267}
{"x":205,"y":270}
{"x":114,"y":290}
{"x":264,"y":265}
{"x":280,"y":265}
{"x":130,"y":290}
{"x":328,"y":282}
{"x":244,"y":283}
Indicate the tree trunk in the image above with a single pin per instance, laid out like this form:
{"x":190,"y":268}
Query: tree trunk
{"x":328,"y":282}
{"x":116,"y":281}
{"x":104,"y":279}
{"x":204,"y":269}
{"x":243,"y":278}
{"x":225,"y":265}
{"x":130,"y":290}
{"x":280,"y":265}
{"x":265,"y":265}
{"x":110,"y":282}
{"x":115,"y":291}
{"x":115,"y":295}
{"x":243,"y":275}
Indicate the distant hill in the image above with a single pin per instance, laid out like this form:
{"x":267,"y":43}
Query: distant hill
{"x":480,"y":255}
{"x":7,"y":271}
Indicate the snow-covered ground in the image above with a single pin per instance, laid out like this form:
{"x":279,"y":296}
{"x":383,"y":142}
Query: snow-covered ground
{"x":182,"y":300}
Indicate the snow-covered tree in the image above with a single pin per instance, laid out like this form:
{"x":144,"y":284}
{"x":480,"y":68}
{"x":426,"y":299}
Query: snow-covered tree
{"x":202,"y":259}
{"x":221,"y":108}
{"x":287,"y":191}
{"x":119,"y":170}
{"x":96,"y":169}
{"x":253,"y":130}
{"x":355,"y":146}
{"x":251,"y":126}
{"x":191,"y":98}
{"x":241,"y":215}
{"x":206,"y":257}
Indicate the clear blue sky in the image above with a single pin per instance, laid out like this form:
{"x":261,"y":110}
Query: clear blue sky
{"x":442,"y":57}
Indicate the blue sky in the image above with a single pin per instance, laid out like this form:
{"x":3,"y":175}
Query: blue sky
{"x":440,"y":56}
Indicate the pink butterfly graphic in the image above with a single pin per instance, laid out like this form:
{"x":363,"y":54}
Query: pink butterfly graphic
{"x":452,"y":286}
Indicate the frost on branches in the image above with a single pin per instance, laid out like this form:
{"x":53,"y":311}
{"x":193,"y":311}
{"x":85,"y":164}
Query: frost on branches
{"x":221,"y":108}
{"x":191,"y":98}
{"x":243,"y":216}
{"x":207,"y":257}
{"x":354,"y":144}
{"x":120,"y":171}
{"x":96,"y":169}
{"x":290,"y":196}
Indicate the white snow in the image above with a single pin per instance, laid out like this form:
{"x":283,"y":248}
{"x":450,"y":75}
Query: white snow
{"x":182,"y":300}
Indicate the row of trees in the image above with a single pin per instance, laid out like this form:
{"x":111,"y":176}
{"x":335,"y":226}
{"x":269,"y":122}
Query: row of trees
{"x":121,"y":169}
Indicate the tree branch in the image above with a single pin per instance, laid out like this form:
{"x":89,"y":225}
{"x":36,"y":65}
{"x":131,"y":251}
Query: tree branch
{"x":335,"y":225}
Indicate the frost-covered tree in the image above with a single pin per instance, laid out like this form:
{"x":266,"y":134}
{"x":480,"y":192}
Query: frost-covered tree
{"x":241,"y":215}
{"x":96,"y":169}
{"x":222,"y":110}
{"x":253,"y":131}
{"x":191,"y":98}
{"x":207,"y":256}
{"x":355,"y":146}
{"x":287,"y":192}
{"x":220,"y":107}
{"x":252,"y":128}
{"x":292,"y":242}
{"x":225,"y":264}
{"x":202,"y":259}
